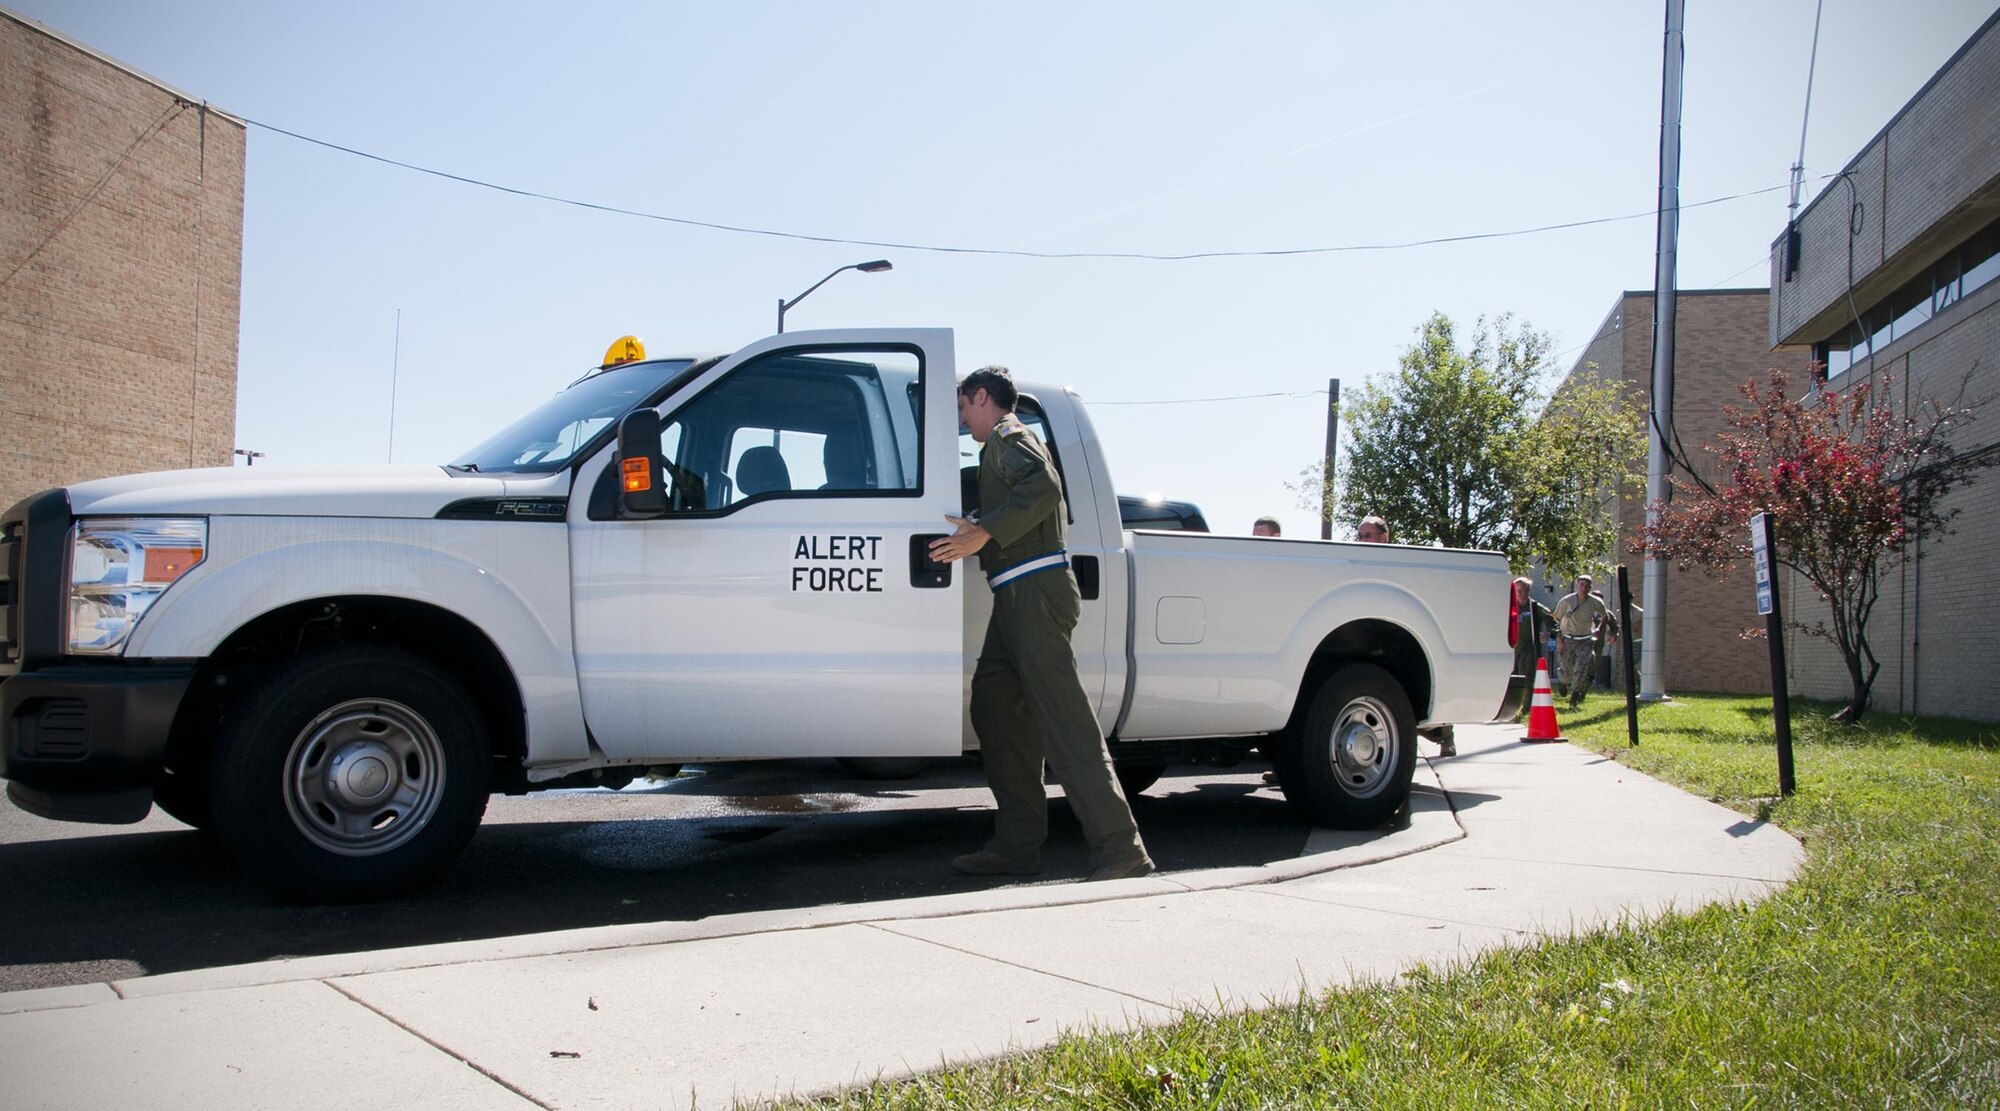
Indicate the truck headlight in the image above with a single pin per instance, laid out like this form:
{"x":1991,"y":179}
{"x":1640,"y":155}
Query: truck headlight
{"x":117,"y":567}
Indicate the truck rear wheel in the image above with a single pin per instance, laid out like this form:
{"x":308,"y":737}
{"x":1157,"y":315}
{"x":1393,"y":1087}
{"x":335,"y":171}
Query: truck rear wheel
{"x":1135,"y":778}
{"x":353,"y":772}
{"x":1350,"y":766}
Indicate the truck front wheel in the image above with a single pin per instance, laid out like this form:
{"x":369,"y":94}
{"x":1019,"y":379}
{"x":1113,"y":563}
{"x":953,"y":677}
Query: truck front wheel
{"x":1350,"y":766}
{"x":185,"y":799}
{"x":352,"y":772}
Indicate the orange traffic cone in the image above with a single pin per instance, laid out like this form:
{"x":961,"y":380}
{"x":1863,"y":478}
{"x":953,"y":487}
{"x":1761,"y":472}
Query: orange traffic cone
{"x":1542,"y":727}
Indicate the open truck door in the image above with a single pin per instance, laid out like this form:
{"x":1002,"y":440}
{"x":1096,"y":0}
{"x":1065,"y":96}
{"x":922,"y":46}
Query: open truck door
{"x":773,"y":555}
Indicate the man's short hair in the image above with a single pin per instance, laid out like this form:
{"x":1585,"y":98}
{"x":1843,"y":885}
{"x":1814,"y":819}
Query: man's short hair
{"x":998,"y":383}
{"x":1269,"y":523}
{"x":1372,"y":522}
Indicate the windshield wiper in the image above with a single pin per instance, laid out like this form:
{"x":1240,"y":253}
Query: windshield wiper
{"x":470,"y":468}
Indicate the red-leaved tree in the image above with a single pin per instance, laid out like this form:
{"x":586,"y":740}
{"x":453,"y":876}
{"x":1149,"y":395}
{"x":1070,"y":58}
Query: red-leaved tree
{"x":1851,"y":486}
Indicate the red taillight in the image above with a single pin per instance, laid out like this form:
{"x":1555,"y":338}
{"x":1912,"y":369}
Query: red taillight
{"x":1513,"y":618}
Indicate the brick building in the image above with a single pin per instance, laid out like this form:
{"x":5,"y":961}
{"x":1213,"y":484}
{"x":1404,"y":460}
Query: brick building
{"x":121,"y":235}
{"x":1918,"y":210}
{"x":1719,"y":343}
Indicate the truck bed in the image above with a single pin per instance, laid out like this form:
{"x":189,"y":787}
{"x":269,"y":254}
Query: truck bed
{"x":1221,"y":629}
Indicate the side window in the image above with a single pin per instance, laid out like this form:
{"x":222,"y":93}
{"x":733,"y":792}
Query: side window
{"x":799,"y":424}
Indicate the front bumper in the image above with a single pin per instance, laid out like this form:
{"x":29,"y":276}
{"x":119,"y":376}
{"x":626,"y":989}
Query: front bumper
{"x":85,"y":744}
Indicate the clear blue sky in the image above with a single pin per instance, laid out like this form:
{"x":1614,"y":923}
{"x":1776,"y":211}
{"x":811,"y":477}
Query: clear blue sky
{"x":1152,"y":127}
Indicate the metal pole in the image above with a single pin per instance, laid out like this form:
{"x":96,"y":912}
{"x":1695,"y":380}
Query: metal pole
{"x":875,"y":267}
{"x":1332,"y":441}
{"x":395,"y":369}
{"x":1774,"y":631}
{"x":1625,"y":662}
{"x":1799,"y":167}
{"x":1653,"y":663}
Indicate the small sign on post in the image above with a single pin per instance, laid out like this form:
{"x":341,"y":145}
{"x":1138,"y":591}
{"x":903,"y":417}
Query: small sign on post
{"x":1762,"y":555}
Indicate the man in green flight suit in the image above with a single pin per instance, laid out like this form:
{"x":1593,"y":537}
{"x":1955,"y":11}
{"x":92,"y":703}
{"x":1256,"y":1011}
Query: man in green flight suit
{"x":1027,"y":701}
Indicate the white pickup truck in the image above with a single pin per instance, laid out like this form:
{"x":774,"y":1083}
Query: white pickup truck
{"x":671,"y":561}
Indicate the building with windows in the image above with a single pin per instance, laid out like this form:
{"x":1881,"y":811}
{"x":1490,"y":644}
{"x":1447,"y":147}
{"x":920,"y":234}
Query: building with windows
{"x":121,"y":238}
{"x":1719,"y":343}
{"x":1892,"y":276}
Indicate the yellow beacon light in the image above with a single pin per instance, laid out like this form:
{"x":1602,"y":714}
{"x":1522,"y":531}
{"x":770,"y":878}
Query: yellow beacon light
{"x":625,"y":349}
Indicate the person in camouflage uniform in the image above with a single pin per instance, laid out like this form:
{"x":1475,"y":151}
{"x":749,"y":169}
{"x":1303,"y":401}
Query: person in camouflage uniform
{"x":1581,"y":620}
{"x":1028,"y":703}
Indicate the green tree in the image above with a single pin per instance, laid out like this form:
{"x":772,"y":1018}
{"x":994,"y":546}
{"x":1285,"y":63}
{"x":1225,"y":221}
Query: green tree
{"x":1584,"y":456}
{"x":1464,"y":447}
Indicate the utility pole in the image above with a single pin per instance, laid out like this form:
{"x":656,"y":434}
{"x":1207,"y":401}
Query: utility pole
{"x":1332,"y":440}
{"x":1653,"y":652}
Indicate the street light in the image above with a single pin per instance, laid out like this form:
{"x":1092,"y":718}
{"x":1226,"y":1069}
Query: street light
{"x":875,"y":267}
{"x":249,"y":457}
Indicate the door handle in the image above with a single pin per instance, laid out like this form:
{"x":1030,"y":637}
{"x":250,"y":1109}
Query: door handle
{"x":1085,"y":569}
{"x":927,"y":573}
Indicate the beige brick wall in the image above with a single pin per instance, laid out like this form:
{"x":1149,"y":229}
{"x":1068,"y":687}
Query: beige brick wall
{"x":1719,"y":343}
{"x":118,"y":336}
{"x":1934,"y":629}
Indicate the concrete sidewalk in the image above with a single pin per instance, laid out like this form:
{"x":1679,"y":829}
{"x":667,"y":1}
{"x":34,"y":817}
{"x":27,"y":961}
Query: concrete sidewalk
{"x":1505,"y":844}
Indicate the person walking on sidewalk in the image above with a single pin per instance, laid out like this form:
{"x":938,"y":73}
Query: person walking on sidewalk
{"x":1028,"y":703}
{"x":1581,"y":618}
{"x":1530,"y":617}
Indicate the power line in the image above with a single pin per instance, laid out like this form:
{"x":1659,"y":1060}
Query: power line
{"x":1552,"y":360}
{"x":1205,"y":400}
{"x":1148,"y":256}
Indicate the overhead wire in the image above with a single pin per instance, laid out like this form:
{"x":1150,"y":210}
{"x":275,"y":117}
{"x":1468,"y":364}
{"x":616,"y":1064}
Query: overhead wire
{"x":1016,"y":253}
{"x":1205,"y":400}
{"x":1553,"y":360}
{"x":1147,"y":256}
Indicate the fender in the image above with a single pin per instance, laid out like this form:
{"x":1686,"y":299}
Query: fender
{"x":1446,"y":641}
{"x":511,"y":580}
{"x":1361,"y":600}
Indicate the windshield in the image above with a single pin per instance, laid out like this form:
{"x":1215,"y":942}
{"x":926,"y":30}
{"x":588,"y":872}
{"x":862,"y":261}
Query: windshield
{"x":548,"y":438}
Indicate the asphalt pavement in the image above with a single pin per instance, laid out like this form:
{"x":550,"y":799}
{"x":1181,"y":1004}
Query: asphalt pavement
{"x":1505,"y":844}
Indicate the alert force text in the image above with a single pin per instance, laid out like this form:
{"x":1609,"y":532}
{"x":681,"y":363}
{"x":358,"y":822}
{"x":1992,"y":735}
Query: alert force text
{"x":823,"y":555}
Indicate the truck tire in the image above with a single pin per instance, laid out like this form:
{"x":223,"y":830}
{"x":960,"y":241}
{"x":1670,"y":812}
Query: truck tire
{"x":1350,"y":766}
{"x":1135,"y":778}
{"x":884,"y":767}
{"x":352,"y":772}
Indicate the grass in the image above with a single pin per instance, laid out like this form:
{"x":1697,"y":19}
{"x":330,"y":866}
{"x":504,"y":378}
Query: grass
{"x":1873,"y":981}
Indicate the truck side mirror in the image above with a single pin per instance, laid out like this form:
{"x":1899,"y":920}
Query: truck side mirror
{"x":641,"y":488}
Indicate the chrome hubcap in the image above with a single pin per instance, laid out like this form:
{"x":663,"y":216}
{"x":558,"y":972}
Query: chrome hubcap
{"x":1364,"y":747}
{"x":364,"y":777}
